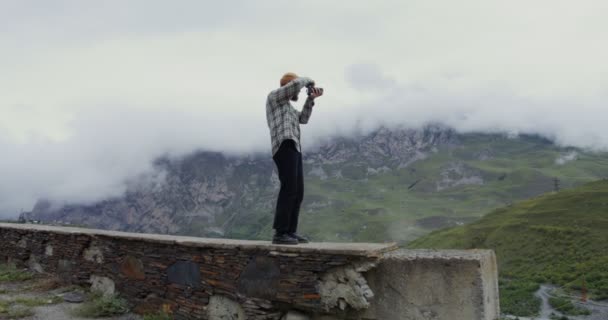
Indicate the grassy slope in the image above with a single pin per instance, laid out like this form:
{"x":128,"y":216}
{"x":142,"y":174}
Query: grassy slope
{"x":381,"y":207}
{"x":558,"y":238}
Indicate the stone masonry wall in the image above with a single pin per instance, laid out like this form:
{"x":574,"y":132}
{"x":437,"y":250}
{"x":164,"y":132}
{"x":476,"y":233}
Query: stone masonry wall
{"x":196,"y":278}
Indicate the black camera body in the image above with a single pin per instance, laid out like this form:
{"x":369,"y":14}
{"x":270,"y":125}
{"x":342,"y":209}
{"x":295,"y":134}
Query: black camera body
{"x":309,"y":89}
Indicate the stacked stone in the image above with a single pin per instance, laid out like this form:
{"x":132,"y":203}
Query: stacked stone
{"x":188,"y":281}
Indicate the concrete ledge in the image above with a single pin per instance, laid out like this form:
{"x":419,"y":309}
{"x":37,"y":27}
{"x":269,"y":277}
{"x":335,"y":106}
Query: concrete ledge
{"x":351,"y":249}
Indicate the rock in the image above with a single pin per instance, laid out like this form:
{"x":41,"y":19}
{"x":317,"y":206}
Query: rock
{"x":132,"y":268}
{"x":48,"y":250}
{"x":458,"y":173}
{"x":64,"y":265}
{"x":102,"y":284}
{"x":22,"y":243}
{"x":346,"y":286}
{"x":65,"y":269}
{"x":260,"y":278}
{"x":34,"y":265}
{"x":74,"y":297}
{"x":186,"y":273}
{"x":93,"y":253}
{"x":295,"y":315}
{"x":222,"y":308}
{"x":325,"y":317}
{"x":151,"y":304}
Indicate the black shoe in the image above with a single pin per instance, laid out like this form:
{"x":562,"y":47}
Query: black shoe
{"x":283,"y":238}
{"x":299,"y":237}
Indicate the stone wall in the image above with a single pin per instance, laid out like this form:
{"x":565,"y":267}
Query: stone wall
{"x":197,"y":278}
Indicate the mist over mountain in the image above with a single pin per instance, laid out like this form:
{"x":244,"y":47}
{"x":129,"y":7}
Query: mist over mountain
{"x":390,"y":184}
{"x":107,"y":147}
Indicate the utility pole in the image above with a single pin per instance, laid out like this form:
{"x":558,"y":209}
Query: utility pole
{"x":584,"y":290}
{"x":556,"y":184}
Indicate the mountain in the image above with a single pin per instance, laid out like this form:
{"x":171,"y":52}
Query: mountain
{"x":559,"y":238}
{"x":390,"y":184}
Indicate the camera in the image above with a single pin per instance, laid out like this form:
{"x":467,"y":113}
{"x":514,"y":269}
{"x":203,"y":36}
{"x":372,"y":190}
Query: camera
{"x":310,"y":87}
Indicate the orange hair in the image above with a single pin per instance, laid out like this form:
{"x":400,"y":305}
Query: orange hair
{"x":288,"y":77}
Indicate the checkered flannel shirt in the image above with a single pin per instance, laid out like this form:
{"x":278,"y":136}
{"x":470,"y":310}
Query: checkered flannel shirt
{"x":283,"y":119}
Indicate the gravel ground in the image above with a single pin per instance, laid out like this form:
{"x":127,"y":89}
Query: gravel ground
{"x":599,"y":310}
{"x":40,"y":287}
{"x":61,"y":311}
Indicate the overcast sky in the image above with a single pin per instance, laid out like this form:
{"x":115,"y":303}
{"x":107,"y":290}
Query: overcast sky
{"x":92,"y":91}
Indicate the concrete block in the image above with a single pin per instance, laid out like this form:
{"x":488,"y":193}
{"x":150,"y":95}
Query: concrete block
{"x":435,"y":285}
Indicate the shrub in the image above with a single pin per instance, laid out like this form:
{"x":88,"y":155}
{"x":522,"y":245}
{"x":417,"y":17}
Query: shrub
{"x":565,"y":306}
{"x":102,"y":306}
{"x":517,"y":298}
{"x":9,"y":273}
{"x":158,"y":316}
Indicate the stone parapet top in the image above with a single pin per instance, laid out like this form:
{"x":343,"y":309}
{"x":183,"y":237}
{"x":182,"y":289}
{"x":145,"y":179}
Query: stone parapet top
{"x":417,"y":254}
{"x":351,"y":249}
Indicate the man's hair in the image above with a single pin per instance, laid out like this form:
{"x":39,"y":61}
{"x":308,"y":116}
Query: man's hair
{"x":286,"y":78}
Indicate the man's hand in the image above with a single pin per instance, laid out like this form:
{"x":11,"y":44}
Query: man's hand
{"x":316,"y":92}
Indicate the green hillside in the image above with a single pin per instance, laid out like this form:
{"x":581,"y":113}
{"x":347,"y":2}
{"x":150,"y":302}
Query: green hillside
{"x":404,"y":204}
{"x":559,"y":238}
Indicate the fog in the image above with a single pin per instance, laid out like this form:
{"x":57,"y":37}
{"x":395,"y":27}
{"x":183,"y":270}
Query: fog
{"x":91,"y":94}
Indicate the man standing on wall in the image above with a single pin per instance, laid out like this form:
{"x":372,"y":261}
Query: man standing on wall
{"x":284,"y":124}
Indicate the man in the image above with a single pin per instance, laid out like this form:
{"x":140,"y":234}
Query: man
{"x":284,"y":124}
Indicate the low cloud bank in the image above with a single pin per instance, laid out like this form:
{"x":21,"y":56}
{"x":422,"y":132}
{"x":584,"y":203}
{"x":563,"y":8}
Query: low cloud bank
{"x":107,"y":146}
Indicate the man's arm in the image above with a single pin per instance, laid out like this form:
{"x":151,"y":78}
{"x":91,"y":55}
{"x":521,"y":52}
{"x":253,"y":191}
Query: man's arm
{"x":284,"y":93}
{"x":310,"y":102}
{"x":306,"y":110}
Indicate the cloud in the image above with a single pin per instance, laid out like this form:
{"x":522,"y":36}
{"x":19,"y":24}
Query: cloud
{"x":567,"y":157}
{"x":368,"y":76}
{"x":93,"y":92}
{"x":109,"y":146}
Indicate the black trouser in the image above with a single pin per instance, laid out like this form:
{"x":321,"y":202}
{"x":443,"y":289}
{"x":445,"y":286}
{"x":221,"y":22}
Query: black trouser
{"x":289,"y":164}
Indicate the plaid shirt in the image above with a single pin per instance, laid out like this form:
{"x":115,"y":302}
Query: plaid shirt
{"x":283,"y":119}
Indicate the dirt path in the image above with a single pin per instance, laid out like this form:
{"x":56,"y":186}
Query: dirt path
{"x":544,"y":293}
{"x":599,"y":310}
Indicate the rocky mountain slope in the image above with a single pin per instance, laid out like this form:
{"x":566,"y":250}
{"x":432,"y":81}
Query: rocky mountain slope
{"x":391,"y":184}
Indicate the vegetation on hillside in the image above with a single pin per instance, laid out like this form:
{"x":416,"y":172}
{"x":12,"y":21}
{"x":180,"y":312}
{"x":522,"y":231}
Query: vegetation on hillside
{"x":565,"y":306}
{"x":405,"y":203}
{"x":559,"y":238}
